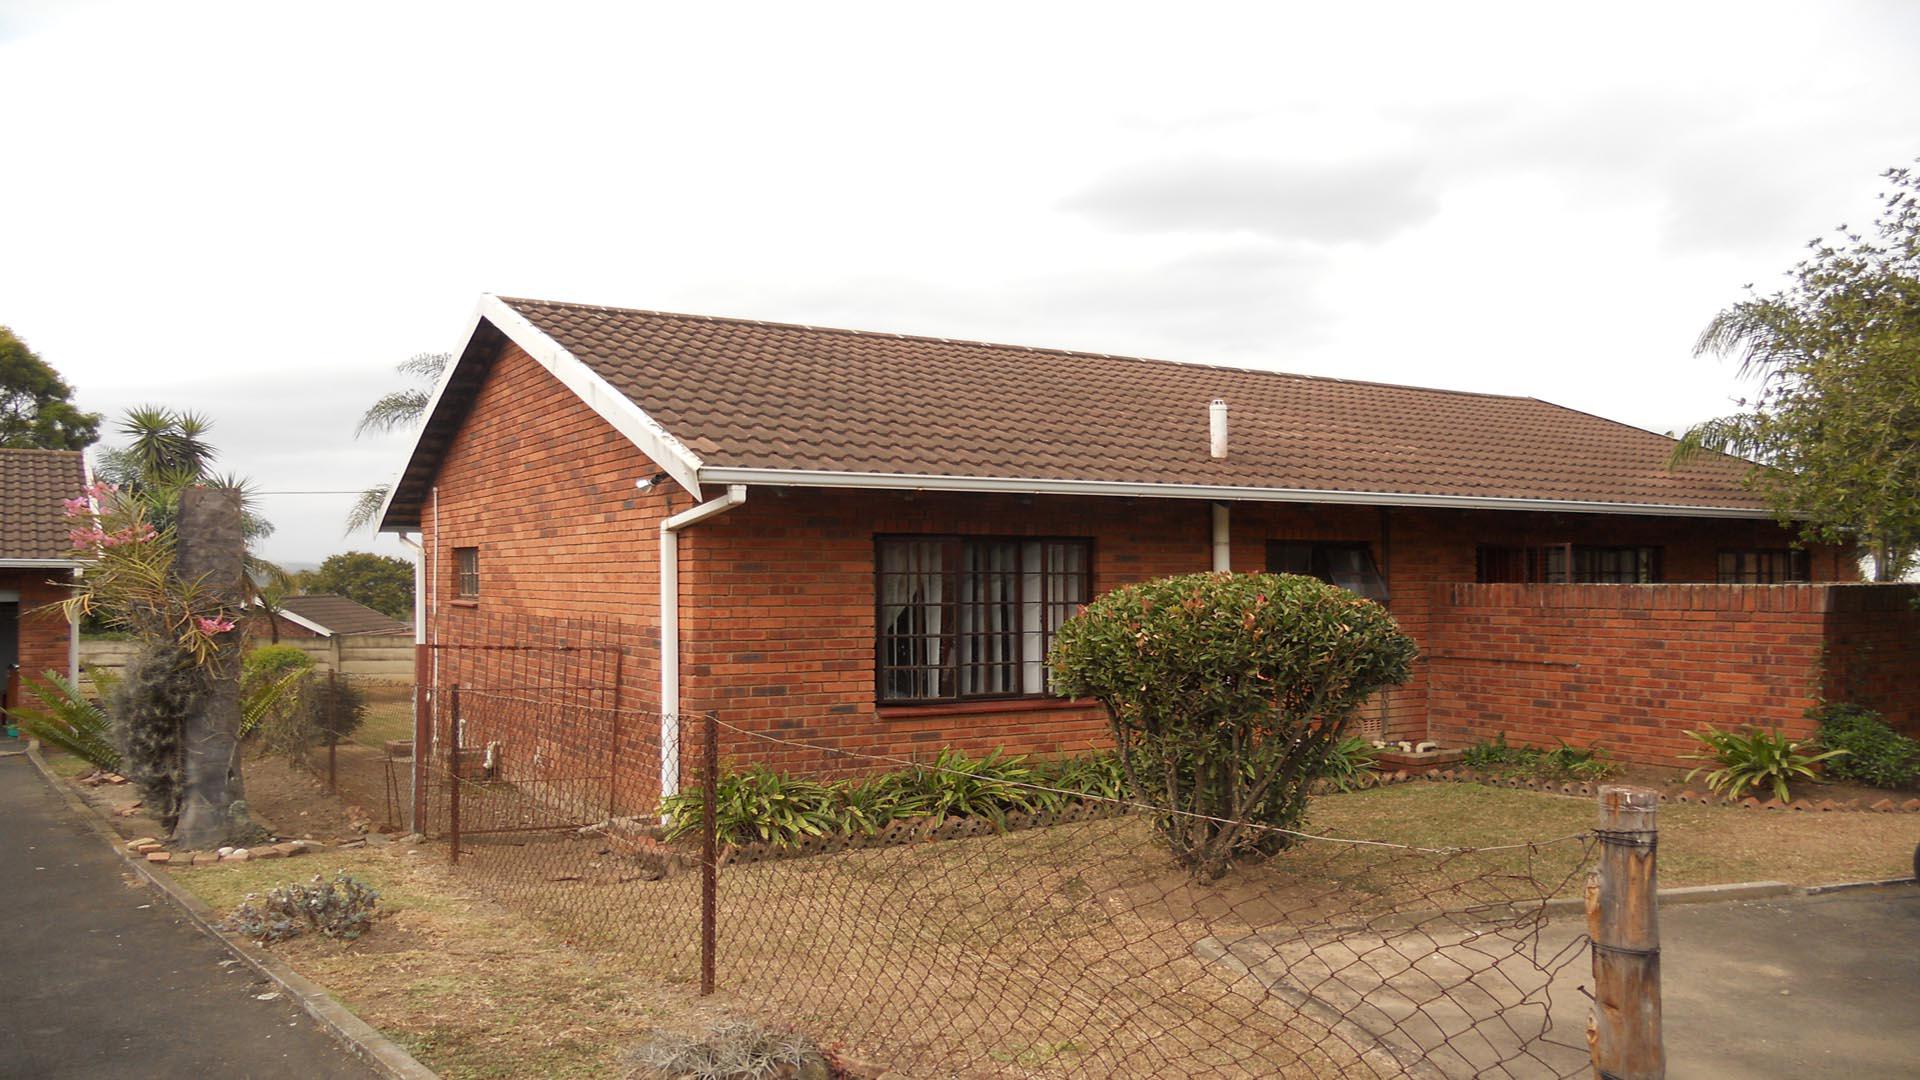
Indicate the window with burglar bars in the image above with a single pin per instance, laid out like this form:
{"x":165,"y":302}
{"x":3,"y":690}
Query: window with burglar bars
{"x":1766,"y":566}
{"x":466,"y":573}
{"x":1559,"y":564}
{"x":973,"y":617}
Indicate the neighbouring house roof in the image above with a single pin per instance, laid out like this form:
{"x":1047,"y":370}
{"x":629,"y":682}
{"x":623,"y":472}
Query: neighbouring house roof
{"x":722,"y":401}
{"x":33,"y":525}
{"x":329,"y":614}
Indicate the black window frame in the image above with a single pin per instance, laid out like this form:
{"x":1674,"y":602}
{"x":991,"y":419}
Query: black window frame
{"x":1799,"y":566}
{"x":1318,"y":565}
{"x":1578,"y":564}
{"x":466,"y":578}
{"x":954,"y":563}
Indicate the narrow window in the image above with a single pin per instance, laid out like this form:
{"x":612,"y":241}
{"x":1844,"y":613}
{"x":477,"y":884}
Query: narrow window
{"x":466,"y":573}
{"x":1348,"y":564}
{"x":1764,"y":566}
{"x":972,"y":617}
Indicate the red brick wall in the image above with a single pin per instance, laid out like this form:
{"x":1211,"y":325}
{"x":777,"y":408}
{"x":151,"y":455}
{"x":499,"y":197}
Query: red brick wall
{"x":44,"y":634}
{"x":780,"y":636}
{"x":1873,"y":651}
{"x":1630,"y":668}
{"x":545,"y":489}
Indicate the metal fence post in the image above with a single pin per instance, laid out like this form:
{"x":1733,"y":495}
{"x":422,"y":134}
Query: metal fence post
{"x":453,"y":774}
{"x":333,"y":731}
{"x":709,"y":854}
{"x":1623,"y":921}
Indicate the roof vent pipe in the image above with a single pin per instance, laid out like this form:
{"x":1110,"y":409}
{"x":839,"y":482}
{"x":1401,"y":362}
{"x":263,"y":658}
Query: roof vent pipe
{"x":1217,"y":428}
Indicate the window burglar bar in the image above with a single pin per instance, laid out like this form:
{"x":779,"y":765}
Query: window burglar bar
{"x":973,"y":617}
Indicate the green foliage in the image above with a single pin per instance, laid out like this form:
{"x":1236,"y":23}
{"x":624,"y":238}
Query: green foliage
{"x":1227,"y":695}
{"x":1754,"y":760}
{"x":760,"y":804}
{"x":396,"y":410}
{"x":1562,"y":763}
{"x":271,"y":677}
{"x":36,"y":404}
{"x":68,"y":720}
{"x":1350,"y":761}
{"x":1836,"y":355}
{"x":341,"y":909}
{"x":1873,"y":753}
{"x":381,"y":582}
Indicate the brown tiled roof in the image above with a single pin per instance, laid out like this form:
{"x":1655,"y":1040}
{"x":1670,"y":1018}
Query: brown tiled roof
{"x":339,"y":615}
{"x":33,"y":483}
{"x":760,"y":395}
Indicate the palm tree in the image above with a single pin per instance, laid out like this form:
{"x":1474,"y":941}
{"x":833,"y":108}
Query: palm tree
{"x":399,"y":409}
{"x":165,"y":449}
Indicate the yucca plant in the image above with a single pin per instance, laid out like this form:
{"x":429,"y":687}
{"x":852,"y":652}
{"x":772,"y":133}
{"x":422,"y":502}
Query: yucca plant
{"x":1753,"y":760}
{"x":68,"y":720}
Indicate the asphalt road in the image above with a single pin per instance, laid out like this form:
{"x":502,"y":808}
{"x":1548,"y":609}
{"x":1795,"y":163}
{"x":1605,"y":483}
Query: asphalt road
{"x":100,"y":977}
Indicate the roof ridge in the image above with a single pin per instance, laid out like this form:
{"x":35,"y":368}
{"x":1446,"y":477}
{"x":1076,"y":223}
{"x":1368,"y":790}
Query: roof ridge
{"x":769,"y":324}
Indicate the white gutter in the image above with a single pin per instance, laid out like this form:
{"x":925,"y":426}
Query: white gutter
{"x":1222,"y":538}
{"x":419,"y":588}
{"x":41,"y":564}
{"x":1036,"y":486}
{"x":670,"y":628}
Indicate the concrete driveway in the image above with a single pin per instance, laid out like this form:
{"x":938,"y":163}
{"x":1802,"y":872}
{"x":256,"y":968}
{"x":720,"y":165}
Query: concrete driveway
{"x":1807,"y":986}
{"x":99,"y":977}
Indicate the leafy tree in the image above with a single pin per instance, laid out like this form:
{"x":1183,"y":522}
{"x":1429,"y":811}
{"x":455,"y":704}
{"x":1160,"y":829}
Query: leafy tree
{"x":1229,"y":695}
{"x":399,"y":409}
{"x":1835,"y":423}
{"x":167,"y":451}
{"x":36,"y":407}
{"x":381,"y":582}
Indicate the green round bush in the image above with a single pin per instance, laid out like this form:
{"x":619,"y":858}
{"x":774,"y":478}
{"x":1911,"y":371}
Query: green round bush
{"x":1875,"y":754}
{"x":1228,"y":695}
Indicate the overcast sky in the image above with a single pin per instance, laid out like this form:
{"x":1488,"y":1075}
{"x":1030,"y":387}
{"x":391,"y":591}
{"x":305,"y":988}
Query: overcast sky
{"x":255,"y":210}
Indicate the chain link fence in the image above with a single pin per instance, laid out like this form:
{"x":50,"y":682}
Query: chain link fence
{"x":1061,"y":942}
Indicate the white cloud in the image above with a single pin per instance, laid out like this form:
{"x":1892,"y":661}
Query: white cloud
{"x":256,"y":209}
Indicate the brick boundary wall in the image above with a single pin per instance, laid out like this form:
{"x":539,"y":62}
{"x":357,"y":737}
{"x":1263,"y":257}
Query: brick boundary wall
{"x":1630,"y":668}
{"x":1873,"y":650}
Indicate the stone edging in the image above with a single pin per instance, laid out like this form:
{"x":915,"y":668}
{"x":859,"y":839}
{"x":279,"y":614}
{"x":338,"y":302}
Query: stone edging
{"x":360,"y":1038}
{"x":1885,"y":805}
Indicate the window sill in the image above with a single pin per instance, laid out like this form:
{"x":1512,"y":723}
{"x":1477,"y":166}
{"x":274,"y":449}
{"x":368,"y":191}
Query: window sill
{"x":464,"y":603}
{"x":982,"y":705}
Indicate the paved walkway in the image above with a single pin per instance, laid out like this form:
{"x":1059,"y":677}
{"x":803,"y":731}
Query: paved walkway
{"x":102,"y":978}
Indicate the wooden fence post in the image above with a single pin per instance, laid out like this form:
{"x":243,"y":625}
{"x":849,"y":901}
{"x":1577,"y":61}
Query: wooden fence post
{"x":1623,"y":920}
{"x":709,"y":855}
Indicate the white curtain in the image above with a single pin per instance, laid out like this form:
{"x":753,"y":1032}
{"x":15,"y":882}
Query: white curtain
{"x":910,"y":581}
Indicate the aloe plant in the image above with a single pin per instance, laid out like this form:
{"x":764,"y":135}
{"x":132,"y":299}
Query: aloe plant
{"x":1754,"y":760}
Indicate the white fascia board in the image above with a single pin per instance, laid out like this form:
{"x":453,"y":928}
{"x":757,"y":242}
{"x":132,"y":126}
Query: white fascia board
{"x":1036,"y":486}
{"x":41,"y":564}
{"x":294,"y":619}
{"x":674,"y":457}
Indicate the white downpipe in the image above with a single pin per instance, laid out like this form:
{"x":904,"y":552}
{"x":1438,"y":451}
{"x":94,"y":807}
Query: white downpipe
{"x":670,"y":628}
{"x":419,"y":589}
{"x":1222,"y":538}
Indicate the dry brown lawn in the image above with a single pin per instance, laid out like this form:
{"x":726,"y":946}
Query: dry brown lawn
{"x":1070,"y":950}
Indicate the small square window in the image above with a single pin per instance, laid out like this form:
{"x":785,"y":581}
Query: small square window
{"x":466,"y":573}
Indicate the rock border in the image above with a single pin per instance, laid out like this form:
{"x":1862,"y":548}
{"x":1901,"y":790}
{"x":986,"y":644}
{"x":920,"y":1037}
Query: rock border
{"x":1691,"y":796}
{"x":359,"y":1037}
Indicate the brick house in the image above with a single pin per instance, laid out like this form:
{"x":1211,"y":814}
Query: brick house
{"x":865,"y":540}
{"x":35,"y":555}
